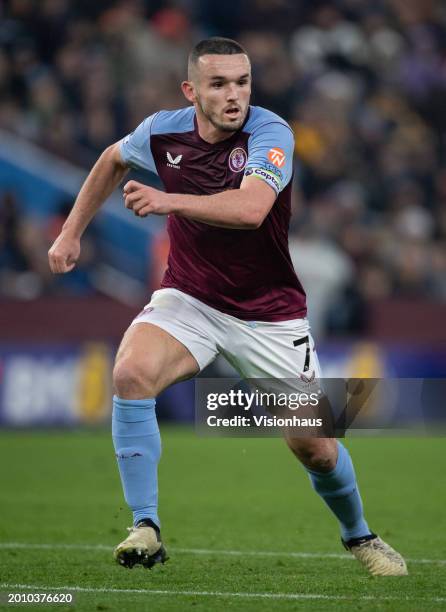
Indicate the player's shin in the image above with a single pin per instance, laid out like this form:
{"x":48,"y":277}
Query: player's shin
{"x":339,"y":490}
{"x":137,"y":443}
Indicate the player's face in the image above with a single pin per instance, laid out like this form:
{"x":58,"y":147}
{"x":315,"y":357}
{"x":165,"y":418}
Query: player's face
{"x":222,"y":88}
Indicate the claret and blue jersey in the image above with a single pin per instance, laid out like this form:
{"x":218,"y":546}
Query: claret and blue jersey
{"x":245,"y":273}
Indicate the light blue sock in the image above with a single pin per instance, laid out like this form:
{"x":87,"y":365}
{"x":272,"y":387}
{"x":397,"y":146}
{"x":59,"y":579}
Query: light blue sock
{"x":137,"y":443}
{"x":339,"y":490}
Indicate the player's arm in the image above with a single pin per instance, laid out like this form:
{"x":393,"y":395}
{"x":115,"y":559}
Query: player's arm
{"x":244,"y":208}
{"x":104,"y":177}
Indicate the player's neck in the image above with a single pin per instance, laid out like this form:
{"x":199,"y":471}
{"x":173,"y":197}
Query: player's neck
{"x":208,"y":131}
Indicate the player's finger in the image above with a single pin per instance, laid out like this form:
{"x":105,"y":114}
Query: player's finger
{"x":131,"y":198}
{"x":54,"y":264}
{"x":139,"y":204}
{"x":143,"y":211}
{"x":60,"y":266}
{"x":132,"y":186}
{"x":66,"y":266}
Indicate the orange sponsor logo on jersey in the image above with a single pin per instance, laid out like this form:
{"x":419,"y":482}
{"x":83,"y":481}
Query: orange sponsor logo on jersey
{"x":277,"y":156}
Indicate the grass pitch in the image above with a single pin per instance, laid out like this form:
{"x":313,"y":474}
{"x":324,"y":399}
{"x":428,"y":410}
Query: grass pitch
{"x":238,"y":518}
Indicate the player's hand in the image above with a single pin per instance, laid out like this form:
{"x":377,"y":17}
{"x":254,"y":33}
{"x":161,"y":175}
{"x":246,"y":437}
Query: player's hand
{"x":64,"y":253}
{"x":145,"y":200}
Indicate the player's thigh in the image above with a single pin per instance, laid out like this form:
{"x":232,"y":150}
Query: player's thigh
{"x":278,"y":351}
{"x":150,"y":359}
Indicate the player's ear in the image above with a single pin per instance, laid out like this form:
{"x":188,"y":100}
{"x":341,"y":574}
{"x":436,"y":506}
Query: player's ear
{"x":188,"y":89}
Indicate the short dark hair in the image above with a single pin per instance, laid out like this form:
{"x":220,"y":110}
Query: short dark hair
{"x":217,"y":45}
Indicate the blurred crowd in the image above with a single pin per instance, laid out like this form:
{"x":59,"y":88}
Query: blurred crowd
{"x":24,"y":244}
{"x":362,"y":82}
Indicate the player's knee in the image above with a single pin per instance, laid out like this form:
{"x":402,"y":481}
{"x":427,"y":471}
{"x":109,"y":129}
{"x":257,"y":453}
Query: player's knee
{"x":131,"y":381}
{"x":320,"y":461}
{"x":316,"y":454}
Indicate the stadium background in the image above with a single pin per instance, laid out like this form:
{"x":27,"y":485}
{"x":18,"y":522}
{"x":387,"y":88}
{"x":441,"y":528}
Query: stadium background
{"x":364,"y":86}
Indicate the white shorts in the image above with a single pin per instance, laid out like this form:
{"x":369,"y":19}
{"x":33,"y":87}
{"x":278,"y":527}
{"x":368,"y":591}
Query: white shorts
{"x":255,"y":349}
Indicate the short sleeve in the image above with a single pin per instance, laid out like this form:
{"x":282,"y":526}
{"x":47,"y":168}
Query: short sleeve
{"x":270,"y":155}
{"x":135,"y":147}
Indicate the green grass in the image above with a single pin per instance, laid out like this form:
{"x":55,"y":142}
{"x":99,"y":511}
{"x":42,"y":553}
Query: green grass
{"x":219,"y":494}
